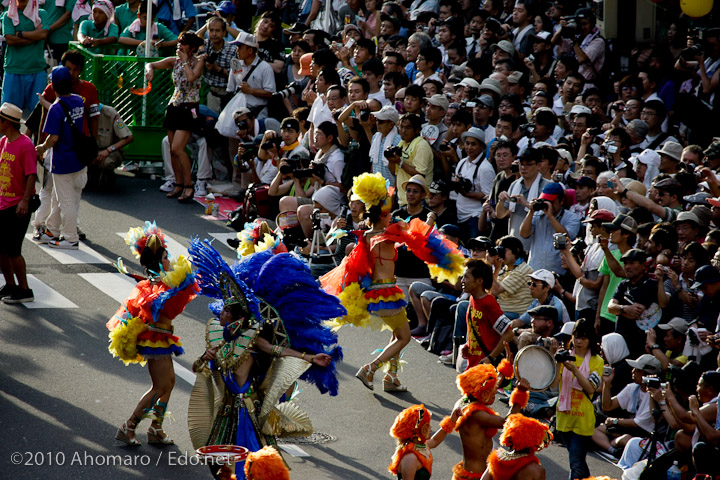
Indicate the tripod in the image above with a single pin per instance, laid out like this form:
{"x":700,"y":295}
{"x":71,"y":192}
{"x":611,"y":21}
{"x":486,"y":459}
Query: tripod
{"x":651,"y":448}
{"x":318,"y":239}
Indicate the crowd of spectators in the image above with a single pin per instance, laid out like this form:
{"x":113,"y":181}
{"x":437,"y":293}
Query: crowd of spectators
{"x":583,"y":171}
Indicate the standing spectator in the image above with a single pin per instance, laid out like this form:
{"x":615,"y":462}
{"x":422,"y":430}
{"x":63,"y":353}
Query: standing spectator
{"x":269,"y":49}
{"x":68,"y":174}
{"x":171,"y":14}
{"x":24,"y":63}
{"x":60,"y":30}
{"x":416,"y":158}
{"x":126,"y":13}
{"x":515,"y":202}
{"x":386,"y":136}
{"x":19,"y":168}
{"x":252,"y":75}
{"x":587,"y":46}
{"x":134,"y":34}
{"x":435,"y":110}
{"x":540,"y":226}
{"x":474,"y":176}
{"x":219,"y":55}
{"x":505,"y":152}
{"x":101,"y":30}
{"x":182,"y":115}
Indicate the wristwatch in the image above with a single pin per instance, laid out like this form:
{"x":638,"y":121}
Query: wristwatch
{"x":622,"y":309}
{"x":111,"y":148}
{"x":655,"y":346}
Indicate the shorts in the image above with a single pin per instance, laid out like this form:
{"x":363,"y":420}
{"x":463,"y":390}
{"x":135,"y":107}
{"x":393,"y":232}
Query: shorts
{"x":14,"y":229}
{"x":180,"y":117}
{"x":304,"y":201}
{"x":22,"y":89}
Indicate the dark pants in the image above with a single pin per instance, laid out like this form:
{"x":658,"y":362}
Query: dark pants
{"x":577,"y":446}
{"x":705,"y":458}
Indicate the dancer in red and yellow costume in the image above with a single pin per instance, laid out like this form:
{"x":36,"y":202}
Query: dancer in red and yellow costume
{"x":412,"y":458}
{"x":365,"y":280}
{"x":141,"y":331}
{"x":479,"y":423}
{"x":515,"y":459}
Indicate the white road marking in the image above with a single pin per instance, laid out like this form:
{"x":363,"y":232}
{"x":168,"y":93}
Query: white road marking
{"x":222,"y":239}
{"x":184,"y":373}
{"x":115,"y":285}
{"x":46,"y":297}
{"x":72,"y":257}
{"x":293,"y":450}
{"x":175,"y":248}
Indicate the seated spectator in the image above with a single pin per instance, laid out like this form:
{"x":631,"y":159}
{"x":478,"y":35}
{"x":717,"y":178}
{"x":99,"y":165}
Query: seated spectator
{"x":415,"y":101}
{"x":438,"y":200}
{"x":654,"y":114}
{"x":511,"y":277}
{"x":634,"y":399}
{"x":101,"y":30}
{"x":543,"y":324}
{"x":134,"y":34}
{"x":692,"y":257}
{"x":295,"y":191}
{"x":674,"y":342}
{"x":703,"y":453}
{"x":540,"y":285}
{"x":615,"y":352}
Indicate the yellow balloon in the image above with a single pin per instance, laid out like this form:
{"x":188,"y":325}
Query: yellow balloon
{"x":696,"y":8}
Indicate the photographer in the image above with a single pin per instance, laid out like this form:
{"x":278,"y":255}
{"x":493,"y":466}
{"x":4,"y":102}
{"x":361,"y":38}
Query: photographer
{"x":511,"y":275}
{"x":294,"y":190}
{"x":634,"y":399}
{"x":540,"y":130}
{"x":674,"y":341}
{"x":472,"y":181}
{"x":584,"y":41}
{"x":415,"y":156}
{"x":386,"y":137}
{"x":546,"y":224}
{"x":273,"y":146}
{"x":508,"y":171}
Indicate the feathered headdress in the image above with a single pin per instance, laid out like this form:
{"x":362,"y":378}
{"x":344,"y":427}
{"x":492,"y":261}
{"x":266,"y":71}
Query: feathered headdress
{"x":257,"y":237}
{"x":523,"y":434}
{"x":371,"y":189}
{"x":478,"y":381}
{"x":148,"y":236}
{"x":409,"y":423}
{"x":266,"y":464}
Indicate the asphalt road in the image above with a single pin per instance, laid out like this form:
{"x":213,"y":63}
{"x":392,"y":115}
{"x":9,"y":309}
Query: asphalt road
{"x":62,"y":395}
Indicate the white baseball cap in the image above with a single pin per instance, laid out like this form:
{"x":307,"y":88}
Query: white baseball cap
{"x":544,"y":276}
{"x":245,"y":38}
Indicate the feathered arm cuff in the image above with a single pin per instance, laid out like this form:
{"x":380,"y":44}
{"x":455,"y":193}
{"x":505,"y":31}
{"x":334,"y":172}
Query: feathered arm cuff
{"x":506,"y":369}
{"x":519,"y":397}
{"x":447,"y":424}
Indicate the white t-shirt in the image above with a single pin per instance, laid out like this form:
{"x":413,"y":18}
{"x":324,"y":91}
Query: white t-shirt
{"x":320,"y":112}
{"x":633,"y":400}
{"x":482,"y":182}
{"x":379,"y":96}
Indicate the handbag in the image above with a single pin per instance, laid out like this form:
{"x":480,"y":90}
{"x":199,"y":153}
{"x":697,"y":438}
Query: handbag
{"x":327,"y":20}
{"x":85,"y":146}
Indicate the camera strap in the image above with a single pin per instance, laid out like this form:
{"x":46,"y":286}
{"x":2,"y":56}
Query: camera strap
{"x":247,"y":75}
{"x":477,"y":167}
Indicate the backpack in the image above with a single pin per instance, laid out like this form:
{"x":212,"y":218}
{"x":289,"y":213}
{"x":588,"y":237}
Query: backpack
{"x":85,"y":146}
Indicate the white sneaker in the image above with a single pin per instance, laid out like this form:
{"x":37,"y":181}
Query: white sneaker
{"x":201,"y":188}
{"x":446,"y":359}
{"x":168,"y":186}
{"x":45,"y":236}
{"x":64,"y":245}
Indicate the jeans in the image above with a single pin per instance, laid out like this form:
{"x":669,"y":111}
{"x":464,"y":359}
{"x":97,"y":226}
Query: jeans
{"x":460,"y":319}
{"x":578,"y":446}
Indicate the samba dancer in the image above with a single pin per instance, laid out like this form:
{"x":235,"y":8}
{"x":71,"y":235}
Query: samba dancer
{"x":266,"y":305}
{"x":365,"y":280}
{"x":412,"y":458}
{"x":141,"y":331}
{"x":515,"y":459}
{"x":479,"y":423}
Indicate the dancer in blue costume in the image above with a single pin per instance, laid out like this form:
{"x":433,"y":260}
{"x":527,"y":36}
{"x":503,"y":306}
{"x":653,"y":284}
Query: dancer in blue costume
{"x":268,"y":333}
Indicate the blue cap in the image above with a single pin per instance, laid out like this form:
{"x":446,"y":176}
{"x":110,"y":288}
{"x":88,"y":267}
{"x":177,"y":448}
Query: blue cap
{"x":227,"y":7}
{"x":60,"y":74}
{"x":706,"y":274}
{"x":552,"y":191}
{"x":450,"y":229}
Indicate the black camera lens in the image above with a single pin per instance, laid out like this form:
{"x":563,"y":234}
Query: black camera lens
{"x":365,"y":115}
{"x":444,"y":147}
{"x":539,"y":206}
{"x":242,"y":125}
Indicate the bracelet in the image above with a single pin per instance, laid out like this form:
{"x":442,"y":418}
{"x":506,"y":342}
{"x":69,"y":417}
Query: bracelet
{"x":401,"y":163}
{"x":447,"y":425}
{"x":312,"y":359}
{"x":302,"y":357}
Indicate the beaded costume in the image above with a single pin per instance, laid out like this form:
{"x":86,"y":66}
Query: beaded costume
{"x":142,"y":327}
{"x":283,"y":304}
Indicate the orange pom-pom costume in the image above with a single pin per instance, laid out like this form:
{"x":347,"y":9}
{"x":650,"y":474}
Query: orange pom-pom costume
{"x":521,"y":438}
{"x":407,"y":429}
{"x":266,"y":464}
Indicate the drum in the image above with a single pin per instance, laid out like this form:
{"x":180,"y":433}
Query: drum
{"x":222,"y":454}
{"x":537,"y":366}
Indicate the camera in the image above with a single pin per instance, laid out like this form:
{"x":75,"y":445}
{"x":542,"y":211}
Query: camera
{"x":292,"y":164}
{"x":291,"y":89}
{"x":610,"y":147}
{"x":693,"y":338}
{"x":570,"y":30}
{"x":497,"y":251}
{"x":468,"y":104}
{"x":607,"y":371}
{"x":546,"y":342}
{"x":688,"y":54}
{"x":345,"y":213}
{"x":273,"y":142}
{"x":559,"y":241}
{"x":461,"y":184}
{"x":444,"y":147}
{"x":364,"y":115}
{"x":558,"y":177}
{"x":514,"y":168}
{"x":596,"y":131}
{"x":651,"y":382}
{"x":564,"y":356}
{"x":527,"y":128}
{"x":317,"y":169}
{"x":578,"y":248}
{"x":540,"y":206}
{"x":317,"y":217}
{"x":212,"y":57}
{"x":251,"y":151}
{"x":393,"y":152}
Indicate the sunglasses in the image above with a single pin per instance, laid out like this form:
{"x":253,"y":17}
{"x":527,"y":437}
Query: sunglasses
{"x":536,"y":284}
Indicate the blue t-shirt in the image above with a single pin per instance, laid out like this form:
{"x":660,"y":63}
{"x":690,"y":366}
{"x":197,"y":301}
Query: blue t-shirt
{"x":64,"y":159}
{"x":165,"y":13}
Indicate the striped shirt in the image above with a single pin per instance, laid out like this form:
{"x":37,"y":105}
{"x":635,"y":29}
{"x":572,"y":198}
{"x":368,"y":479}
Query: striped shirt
{"x":516,"y":298}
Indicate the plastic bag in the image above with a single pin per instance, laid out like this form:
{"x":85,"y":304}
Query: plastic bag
{"x":226,"y":123}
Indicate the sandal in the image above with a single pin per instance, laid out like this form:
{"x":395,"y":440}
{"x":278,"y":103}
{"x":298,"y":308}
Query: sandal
{"x":366,"y":373}
{"x":187,"y":198}
{"x":391,"y":382}
{"x":177,"y":191}
{"x":156,"y":436}
{"x":123,"y":434}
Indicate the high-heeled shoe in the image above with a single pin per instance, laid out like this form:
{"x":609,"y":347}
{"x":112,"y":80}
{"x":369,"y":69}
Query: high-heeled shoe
{"x":122,"y":435}
{"x":391,"y":382}
{"x":156,"y":436}
{"x":177,"y":191}
{"x":365,"y":375}
{"x":187,"y":198}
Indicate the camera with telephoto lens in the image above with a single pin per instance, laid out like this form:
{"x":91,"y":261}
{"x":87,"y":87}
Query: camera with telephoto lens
{"x":540,"y":205}
{"x":497,"y":251}
{"x":317,"y":169}
{"x":364,"y":115}
{"x":291,"y":89}
{"x":578,"y":248}
{"x":291,"y":165}
{"x":272,"y":142}
{"x":559,"y":241}
{"x":527,"y":128}
{"x":570,"y":30}
{"x":651,"y":382}
{"x":393,"y":152}
{"x":564,"y":356}
{"x":461,"y":185}
{"x":251,"y":150}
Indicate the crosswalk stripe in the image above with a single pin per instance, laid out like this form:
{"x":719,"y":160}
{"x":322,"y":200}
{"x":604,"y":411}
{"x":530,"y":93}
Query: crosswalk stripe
{"x":45,"y":296}
{"x":72,"y":257}
{"x":184,"y":373}
{"x":175,"y":248}
{"x":222,"y":239}
{"x":115,"y":285}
